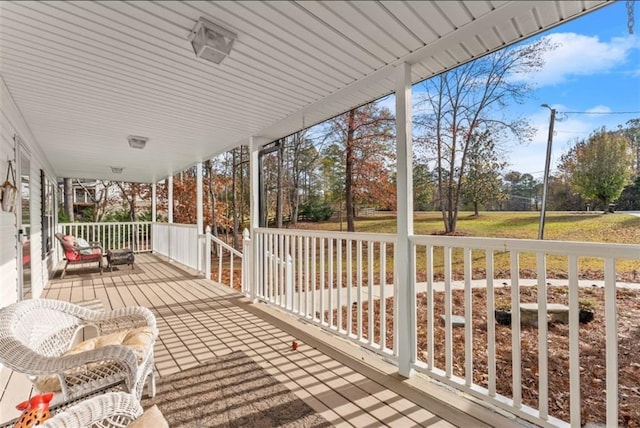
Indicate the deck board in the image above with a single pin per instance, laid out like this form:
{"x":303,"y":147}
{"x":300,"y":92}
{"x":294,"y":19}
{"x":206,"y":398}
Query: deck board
{"x":199,"y":320}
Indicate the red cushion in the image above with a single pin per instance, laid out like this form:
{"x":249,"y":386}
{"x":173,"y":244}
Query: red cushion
{"x":71,"y":255}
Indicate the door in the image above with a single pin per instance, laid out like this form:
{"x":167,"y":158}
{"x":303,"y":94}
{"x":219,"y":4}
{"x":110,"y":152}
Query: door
{"x":24,"y":222}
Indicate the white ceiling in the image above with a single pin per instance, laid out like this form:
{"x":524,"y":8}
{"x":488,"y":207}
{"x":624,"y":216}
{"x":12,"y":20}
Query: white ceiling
{"x":85,"y":75}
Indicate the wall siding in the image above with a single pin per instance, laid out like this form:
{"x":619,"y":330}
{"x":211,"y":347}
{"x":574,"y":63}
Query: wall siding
{"x":12,"y":123}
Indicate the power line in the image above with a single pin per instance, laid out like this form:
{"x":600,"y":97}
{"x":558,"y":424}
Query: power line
{"x":599,"y":112}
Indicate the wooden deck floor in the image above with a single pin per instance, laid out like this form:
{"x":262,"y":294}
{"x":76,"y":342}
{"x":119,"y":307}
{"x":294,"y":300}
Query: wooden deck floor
{"x":199,"y":320}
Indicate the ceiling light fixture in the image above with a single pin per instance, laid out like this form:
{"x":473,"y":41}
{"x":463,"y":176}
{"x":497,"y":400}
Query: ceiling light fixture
{"x":136,"y":142}
{"x":117,"y":169}
{"x":210,"y":41}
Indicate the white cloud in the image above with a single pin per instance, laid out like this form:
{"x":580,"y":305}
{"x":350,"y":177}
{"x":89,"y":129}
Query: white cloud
{"x":599,"y":109}
{"x":580,"y":55}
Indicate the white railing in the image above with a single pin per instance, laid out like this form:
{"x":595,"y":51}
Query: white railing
{"x":478,"y":258}
{"x":325,"y":278}
{"x":228,"y":263}
{"x":178,"y":242}
{"x":112,"y":235}
{"x":340,"y":281}
{"x":346,"y":283}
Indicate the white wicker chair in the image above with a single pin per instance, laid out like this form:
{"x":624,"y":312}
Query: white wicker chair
{"x":34,"y":335}
{"x":111,"y":410}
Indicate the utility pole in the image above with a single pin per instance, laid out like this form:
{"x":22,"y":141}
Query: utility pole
{"x":543,"y":208}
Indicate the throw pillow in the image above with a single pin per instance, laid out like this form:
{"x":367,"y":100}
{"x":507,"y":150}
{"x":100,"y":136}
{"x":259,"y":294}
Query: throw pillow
{"x":140,"y":340}
{"x":81,"y":242}
{"x":151,"y":418}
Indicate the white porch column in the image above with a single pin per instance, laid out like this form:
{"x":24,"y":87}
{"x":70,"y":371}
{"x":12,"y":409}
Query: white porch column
{"x":199,"y":211}
{"x":254,"y":221}
{"x":169,"y":213}
{"x":154,"y":203}
{"x":154,"y":215}
{"x":170,"y":200}
{"x":254,"y":191}
{"x":405,"y":261}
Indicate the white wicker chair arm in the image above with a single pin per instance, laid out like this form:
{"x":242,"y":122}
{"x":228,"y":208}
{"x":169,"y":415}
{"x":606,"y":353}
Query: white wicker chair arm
{"x":114,"y":409}
{"x":119,"y":319}
{"x":29,"y":362}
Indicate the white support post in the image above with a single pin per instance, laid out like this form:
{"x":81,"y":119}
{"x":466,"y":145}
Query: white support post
{"x":170,"y":199}
{"x":154,"y":202}
{"x":207,"y":253}
{"x":406,"y":314}
{"x":254,"y":275}
{"x":169,"y":214}
{"x":247,"y":285}
{"x":154,"y":212}
{"x":288,"y":280}
{"x":199,"y":214}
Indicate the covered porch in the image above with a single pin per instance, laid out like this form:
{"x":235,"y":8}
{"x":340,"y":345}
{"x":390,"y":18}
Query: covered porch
{"x":79,"y":78}
{"x":200,"y":319}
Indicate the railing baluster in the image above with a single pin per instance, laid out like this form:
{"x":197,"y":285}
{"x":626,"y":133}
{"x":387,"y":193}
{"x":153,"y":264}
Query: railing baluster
{"x":314,"y":261}
{"x":448,"y":333}
{"x":468,"y":319}
{"x":339,"y":280}
{"x":270,"y":261}
{"x":307,"y":262}
{"x":383,"y":303}
{"x":330,"y":285}
{"x":430,"y":315}
{"x":322,"y":280}
{"x":231,"y":266}
{"x":611,"y":326}
{"x":220,"y":256}
{"x":300,"y":273}
{"x":515,"y":331}
{"x":543,"y":372}
{"x":575,"y":415}
{"x":370,"y":291}
{"x":359,"y":283}
{"x":491,"y":324}
{"x":349,"y":287}
{"x":288,"y":273}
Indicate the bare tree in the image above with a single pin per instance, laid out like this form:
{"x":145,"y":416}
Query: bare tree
{"x":472,"y":99}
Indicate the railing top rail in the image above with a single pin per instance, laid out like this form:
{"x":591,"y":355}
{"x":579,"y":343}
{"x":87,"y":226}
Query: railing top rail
{"x":188,"y":226}
{"x":584,"y":249}
{"x":353,"y":236}
{"x":103,"y":223}
{"x":224,"y":245}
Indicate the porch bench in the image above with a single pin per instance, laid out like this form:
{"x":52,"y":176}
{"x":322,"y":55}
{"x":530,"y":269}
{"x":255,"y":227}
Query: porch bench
{"x":529,"y":313}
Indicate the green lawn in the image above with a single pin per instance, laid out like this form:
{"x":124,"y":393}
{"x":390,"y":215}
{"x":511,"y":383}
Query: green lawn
{"x":562,"y":226}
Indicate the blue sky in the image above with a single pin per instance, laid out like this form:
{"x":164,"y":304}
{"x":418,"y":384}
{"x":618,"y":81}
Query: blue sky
{"x":596,"y":68}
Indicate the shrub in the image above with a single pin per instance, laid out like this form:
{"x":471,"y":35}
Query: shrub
{"x":317,"y":211}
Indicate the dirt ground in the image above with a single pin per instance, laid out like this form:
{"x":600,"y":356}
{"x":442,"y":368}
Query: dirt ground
{"x":592,"y":350}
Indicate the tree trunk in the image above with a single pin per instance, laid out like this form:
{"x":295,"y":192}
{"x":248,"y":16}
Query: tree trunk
{"x":68,"y":198}
{"x":234,"y":201}
{"x":133,"y":214}
{"x":348,"y":184}
{"x":475,"y":208}
{"x":279,"y":186}
{"x":212,"y":197}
